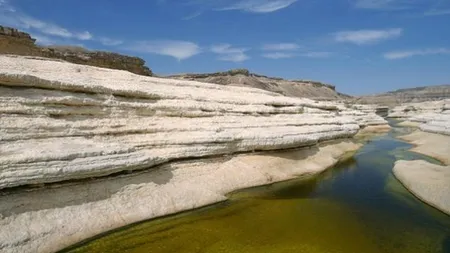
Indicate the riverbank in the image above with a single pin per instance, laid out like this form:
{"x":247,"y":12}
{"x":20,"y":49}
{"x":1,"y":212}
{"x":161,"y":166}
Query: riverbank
{"x":166,"y":190}
{"x":352,"y":207}
{"x":428,"y":182}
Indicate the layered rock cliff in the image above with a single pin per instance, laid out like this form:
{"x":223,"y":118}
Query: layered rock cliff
{"x":431,"y":116}
{"x":244,"y":78}
{"x":81,"y":122}
{"x":63,"y":121}
{"x":16,"y":42}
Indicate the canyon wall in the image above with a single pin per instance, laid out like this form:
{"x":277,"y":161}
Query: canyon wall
{"x":117,"y":147}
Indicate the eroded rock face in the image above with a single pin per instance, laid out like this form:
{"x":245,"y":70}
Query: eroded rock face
{"x":14,"y":33}
{"x":16,"y":42}
{"x":427,"y":181}
{"x":63,"y":121}
{"x":434,"y":115}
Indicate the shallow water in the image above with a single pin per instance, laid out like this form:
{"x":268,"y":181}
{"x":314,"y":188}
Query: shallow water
{"x":356,"y":207}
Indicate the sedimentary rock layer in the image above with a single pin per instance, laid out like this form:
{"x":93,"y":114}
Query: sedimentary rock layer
{"x":50,"y":219}
{"x":62,"y":121}
{"x":429,"y":182}
{"x":13,"y":41}
{"x":434,"y":116}
{"x":430,"y":144}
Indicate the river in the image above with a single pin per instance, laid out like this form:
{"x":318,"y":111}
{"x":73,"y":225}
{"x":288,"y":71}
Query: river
{"x":357,"y":206}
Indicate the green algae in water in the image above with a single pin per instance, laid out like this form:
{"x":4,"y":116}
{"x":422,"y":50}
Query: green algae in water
{"x":356,"y":207}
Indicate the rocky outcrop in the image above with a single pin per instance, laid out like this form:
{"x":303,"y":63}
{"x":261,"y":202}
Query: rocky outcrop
{"x":429,"y":182}
{"x":413,"y":95}
{"x":15,"y":42}
{"x":82,"y":122}
{"x":63,"y":121}
{"x":433,"y":116}
{"x":49,"y":220}
{"x":291,"y":88}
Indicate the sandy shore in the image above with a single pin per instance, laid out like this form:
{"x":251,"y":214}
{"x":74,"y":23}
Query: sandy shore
{"x":428,"y":182}
{"x":60,"y":217}
{"x":409,"y":124}
{"x":430,"y":144}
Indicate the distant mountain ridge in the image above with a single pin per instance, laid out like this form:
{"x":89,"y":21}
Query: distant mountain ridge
{"x":244,"y":78}
{"x":417,"y":94}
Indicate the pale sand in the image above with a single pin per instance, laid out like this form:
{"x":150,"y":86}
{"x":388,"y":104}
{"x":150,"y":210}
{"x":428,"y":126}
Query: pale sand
{"x":429,"y":182}
{"x":409,"y":124}
{"x":430,"y":144}
{"x":173,"y":188}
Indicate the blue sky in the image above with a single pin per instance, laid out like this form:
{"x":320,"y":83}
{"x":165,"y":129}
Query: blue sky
{"x":361,"y":46}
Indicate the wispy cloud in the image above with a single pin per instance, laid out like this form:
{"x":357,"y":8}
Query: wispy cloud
{"x":193,"y":15}
{"x":11,"y":16}
{"x":384,"y":4}
{"x":290,"y":50}
{"x":45,"y":32}
{"x":228,"y":53}
{"x":361,"y":37}
{"x":279,"y":55}
{"x":420,"y":7}
{"x":316,"y":54}
{"x":434,"y":12}
{"x":280,"y":47}
{"x":180,"y":50}
{"x":259,"y":6}
{"x":109,"y":42}
{"x":395,"y":55}
{"x":44,"y":40}
{"x":285,"y":55}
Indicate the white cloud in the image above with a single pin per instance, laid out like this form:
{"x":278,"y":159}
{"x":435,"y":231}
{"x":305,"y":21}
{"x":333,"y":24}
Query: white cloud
{"x":192,"y":16}
{"x":316,"y":54}
{"x":410,"y":53}
{"x":180,"y":50}
{"x":280,"y":47}
{"x":109,"y":42}
{"x":435,"y":12}
{"x":44,"y":40}
{"x":279,"y":55}
{"x":260,"y":6}
{"x":424,"y":7}
{"x":11,"y":17}
{"x":384,"y":4}
{"x":84,"y":35}
{"x":285,"y":55}
{"x":228,"y":53}
{"x":361,"y":37}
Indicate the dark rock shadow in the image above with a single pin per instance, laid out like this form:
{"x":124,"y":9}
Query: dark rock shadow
{"x":293,"y":154}
{"x":446,"y":244}
{"x":77,"y":192}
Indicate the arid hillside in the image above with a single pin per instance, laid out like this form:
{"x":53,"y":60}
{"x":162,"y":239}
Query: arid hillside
{"x":418,"y":94}
{"x":290,"y":88}
{"x":13,"y":41}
